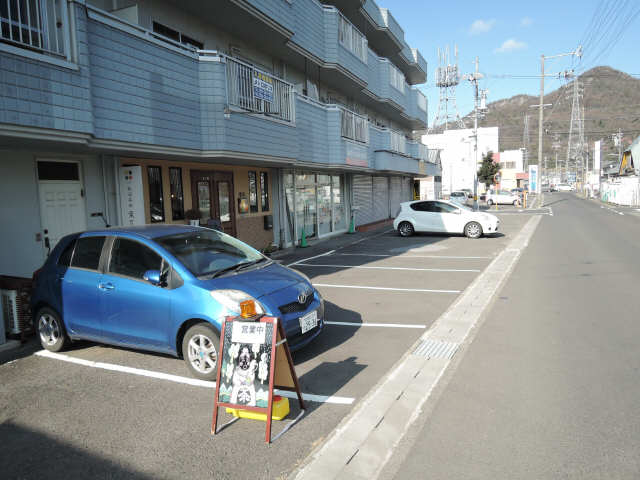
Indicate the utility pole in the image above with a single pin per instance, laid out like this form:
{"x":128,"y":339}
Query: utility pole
{"x":577,"y":52}
{"x":478,"y":108}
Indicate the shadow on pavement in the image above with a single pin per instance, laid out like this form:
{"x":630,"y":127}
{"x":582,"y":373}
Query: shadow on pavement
{"x":47,"y":457}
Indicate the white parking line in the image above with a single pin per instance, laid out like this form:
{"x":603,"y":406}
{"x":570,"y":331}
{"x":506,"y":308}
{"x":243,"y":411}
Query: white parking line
{"x":385,"y":288}
{"x":412,"y":256}
{"x":386,"y":268}
{"x":184,"y":380}
{"x":311,"y":258}
{"x":386,"y":325}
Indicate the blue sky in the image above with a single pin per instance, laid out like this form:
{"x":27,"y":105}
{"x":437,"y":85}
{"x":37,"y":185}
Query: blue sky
{"x":509,"y":37}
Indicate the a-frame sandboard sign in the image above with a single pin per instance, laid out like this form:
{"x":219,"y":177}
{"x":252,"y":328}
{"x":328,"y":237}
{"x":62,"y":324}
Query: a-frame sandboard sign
{"x":254,"y":358}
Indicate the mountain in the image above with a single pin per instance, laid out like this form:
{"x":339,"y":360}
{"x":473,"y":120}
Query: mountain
{"x":611,"y":100}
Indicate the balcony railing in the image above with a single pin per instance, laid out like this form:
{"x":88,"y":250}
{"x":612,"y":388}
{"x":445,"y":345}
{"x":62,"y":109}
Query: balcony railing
{"x":423,"y":152}
{"x":256,"y":91}
{"x":352,"y":39}
{"x":40,"y":25}
{"x":354,"y":126}
{"x":422,"y":101}
{"x":396,"y":78}
{"x":398,"y":142}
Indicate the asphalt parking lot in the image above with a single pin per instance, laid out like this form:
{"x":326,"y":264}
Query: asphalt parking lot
{"x":106,"y":412}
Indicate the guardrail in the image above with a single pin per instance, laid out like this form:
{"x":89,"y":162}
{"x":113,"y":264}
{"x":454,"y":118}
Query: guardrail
{"x":398,"y":142}
{"x":256,"y":91}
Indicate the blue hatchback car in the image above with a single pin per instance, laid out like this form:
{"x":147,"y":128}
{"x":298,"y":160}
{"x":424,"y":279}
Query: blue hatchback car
{"x":165,"y":288}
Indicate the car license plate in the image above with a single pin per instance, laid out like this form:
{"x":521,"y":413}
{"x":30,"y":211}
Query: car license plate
{"x":309,"y":321}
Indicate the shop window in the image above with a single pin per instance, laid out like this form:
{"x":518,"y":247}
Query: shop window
{"x":264,"y":191}
{"x":177,"y":197}
{"x":253,"y":192}
{"x":156,"y":203}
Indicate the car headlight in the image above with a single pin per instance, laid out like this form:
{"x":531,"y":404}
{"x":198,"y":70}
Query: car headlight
{"x":231,"y":299}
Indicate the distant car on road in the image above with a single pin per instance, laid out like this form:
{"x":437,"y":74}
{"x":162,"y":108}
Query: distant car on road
{"x":565,"y":187}
{"x":459,"y":195}
{"x":443,"y":216}
{"x":503,"y":197}
{"x":468,"y":192}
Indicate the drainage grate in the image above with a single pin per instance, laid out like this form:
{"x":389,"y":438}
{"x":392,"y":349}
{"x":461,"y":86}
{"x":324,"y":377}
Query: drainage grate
{"x":436,"y":349}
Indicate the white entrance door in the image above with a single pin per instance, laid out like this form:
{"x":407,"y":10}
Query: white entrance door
{"x":62,"y":209}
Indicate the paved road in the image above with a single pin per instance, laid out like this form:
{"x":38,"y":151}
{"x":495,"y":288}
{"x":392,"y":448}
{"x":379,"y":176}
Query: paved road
{"x":95,"y":419}
{"x":549,"y":388}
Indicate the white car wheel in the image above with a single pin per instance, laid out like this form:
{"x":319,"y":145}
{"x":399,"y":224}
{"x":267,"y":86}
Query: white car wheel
{"x":473,"y":230}
{"x":490,"y":202}
{"x":405,"y":229}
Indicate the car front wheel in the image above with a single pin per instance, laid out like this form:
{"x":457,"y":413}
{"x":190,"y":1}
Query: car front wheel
{"x":405,"y":229}
{"x":200,"y":351}
{"x":473,"y":230}
{"x":516,"y":203}
{"x":53,"y":336}
{"x":490,"y":202}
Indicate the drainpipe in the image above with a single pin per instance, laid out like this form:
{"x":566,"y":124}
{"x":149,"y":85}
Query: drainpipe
{"x":104,"y":191}
{"x":116,"y":177}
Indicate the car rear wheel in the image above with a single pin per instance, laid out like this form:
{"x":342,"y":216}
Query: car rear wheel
{"x":200,"y":351}
{"x":405,"y":229}
{"x":490,"y":202}
{"x":473,"y":230}
{"x":53,"y":336}
{"x":516,"y":203}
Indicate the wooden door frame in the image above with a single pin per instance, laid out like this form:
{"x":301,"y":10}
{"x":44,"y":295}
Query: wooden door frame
{"x":214,"y":177}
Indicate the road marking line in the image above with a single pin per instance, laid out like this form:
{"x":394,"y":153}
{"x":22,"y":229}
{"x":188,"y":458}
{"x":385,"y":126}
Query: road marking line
{"x":385,"y":288}
{"x":387,"y":325}
{"x":179,"y":379}
{"x":369,"y":238}
{"x":311,"y":258}
{"x":386,"y":268}
{"x":413,"y":256}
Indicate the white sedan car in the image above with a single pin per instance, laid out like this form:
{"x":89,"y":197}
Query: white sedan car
{"x":565,"y":187}
{"x":443,"y":216}
{"x":502,"y":197}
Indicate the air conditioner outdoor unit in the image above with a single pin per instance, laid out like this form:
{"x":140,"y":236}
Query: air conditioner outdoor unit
{"x":16,"y":312}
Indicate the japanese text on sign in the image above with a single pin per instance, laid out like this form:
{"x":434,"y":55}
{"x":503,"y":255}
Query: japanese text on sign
{"x":248,"y":332}
{"x":262,"y":87}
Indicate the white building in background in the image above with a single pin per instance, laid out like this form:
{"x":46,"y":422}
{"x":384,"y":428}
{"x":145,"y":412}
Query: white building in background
{"x":511,"y":163}
{"x":456,"y":146}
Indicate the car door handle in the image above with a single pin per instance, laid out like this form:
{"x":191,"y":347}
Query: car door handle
{"x":106,"y":286}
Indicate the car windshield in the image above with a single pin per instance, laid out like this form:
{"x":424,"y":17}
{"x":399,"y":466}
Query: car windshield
{"x":207,"y":252}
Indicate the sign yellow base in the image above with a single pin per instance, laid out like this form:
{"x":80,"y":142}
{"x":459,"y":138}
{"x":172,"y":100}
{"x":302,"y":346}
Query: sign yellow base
{"x":280,"y":411}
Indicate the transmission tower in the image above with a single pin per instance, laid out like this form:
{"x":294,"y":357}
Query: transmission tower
{"x":526,"y":142}
{"x":447,"y":78}
{"x":576,"y":146}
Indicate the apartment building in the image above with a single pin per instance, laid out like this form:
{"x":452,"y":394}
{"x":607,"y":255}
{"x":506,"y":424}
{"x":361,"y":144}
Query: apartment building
{"x":273,"y":116}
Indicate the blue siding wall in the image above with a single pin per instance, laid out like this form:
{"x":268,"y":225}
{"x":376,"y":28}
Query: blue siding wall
{"x":279,"y":10}
{"x":38,"y":94}
{"x":143,"y":93}
{"x":310,"y":27}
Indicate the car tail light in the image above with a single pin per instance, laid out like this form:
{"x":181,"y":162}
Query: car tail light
{"x":35,"y":275}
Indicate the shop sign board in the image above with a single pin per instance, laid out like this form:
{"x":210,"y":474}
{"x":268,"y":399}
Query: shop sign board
{"x":533,"y":178}
{"x":131,"y":195}
{"x":254,"y":359}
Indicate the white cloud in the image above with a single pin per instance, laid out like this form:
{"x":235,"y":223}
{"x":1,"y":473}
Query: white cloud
{"x":526,"y":22}
{"x":510,"y":45}
{"x":481,"y":26}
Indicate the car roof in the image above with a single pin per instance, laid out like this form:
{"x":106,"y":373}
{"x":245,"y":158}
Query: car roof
{"x":148,"y":231}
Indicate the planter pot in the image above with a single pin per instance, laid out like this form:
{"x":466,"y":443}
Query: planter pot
{"x":194,"y":223}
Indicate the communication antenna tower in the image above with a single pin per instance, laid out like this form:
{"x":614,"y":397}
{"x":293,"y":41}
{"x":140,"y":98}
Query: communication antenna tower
{"x":576,"y":146}
{"x":447,"y":78}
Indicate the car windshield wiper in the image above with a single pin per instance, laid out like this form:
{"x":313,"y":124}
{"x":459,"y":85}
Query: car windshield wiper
{"x":236,"y":267}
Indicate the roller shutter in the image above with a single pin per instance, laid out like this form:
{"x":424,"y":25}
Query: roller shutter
{"x":380,"y":198}
{"x":363,"y":199}
{"x":395,"y":195}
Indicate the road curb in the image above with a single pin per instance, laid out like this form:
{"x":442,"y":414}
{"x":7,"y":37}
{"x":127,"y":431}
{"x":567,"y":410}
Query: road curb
{"x":365,"y":440}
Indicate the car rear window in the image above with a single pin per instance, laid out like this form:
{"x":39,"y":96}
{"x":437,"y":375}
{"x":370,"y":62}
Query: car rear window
{"x":65,"y":257}
{"x":87,"y":252}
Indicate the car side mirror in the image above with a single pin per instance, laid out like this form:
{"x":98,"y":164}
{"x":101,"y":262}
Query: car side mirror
{"x":152,"y":276}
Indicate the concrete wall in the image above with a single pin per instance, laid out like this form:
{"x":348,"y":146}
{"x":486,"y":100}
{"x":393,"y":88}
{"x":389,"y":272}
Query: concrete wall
{"x":21,"y":254}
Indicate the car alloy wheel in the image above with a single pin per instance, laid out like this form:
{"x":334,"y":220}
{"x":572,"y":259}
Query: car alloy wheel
{"x":473,"y":230}
{"x":490,"y":202}
{"x":202,"y":354}
{"x":405,"y":229}
{"x":49,"y":330}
